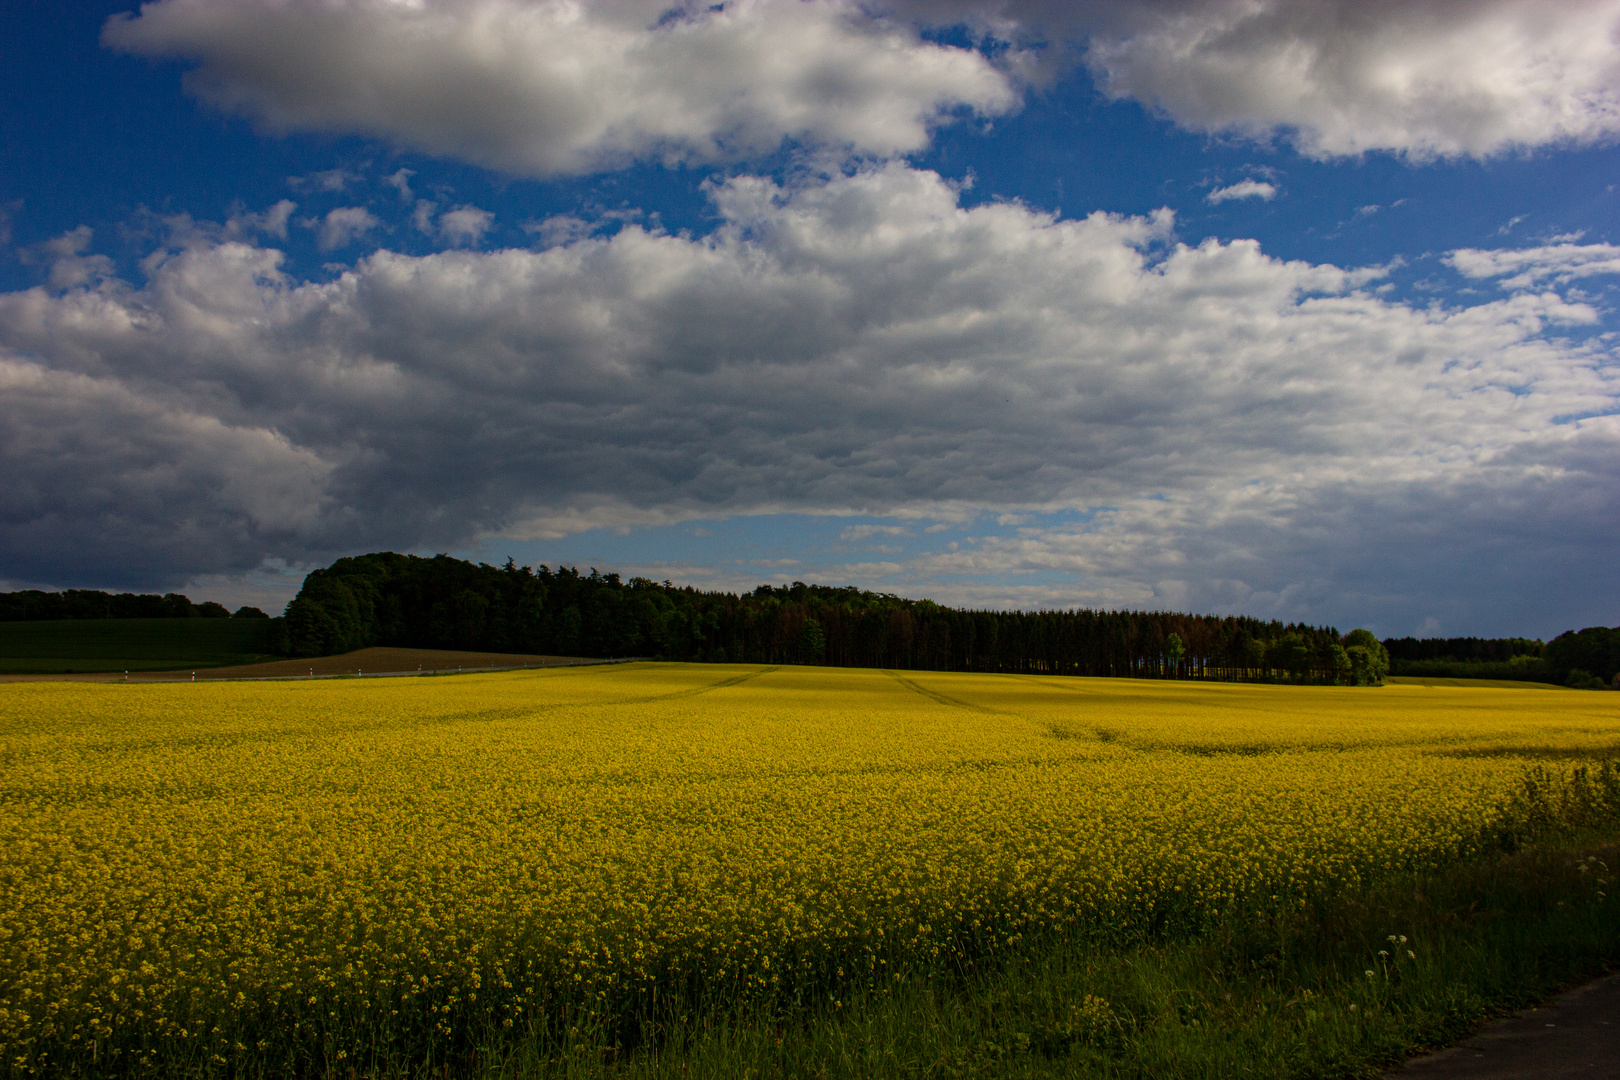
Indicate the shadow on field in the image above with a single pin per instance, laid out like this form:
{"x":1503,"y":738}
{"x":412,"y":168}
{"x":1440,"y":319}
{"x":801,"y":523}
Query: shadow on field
{"x":1540,"y":753}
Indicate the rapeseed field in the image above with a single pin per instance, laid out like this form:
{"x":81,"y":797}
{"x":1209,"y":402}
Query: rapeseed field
{"x":300,"y":877}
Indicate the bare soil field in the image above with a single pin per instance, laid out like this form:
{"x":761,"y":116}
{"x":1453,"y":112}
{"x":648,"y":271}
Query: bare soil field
{"x":374,"y":661}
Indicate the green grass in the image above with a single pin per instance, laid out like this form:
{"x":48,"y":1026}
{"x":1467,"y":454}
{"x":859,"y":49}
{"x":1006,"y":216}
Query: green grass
{"x":1524,"y":668}
{"x":88,"y":645}
{"x":1285,"y":996}
{"x":1438,"y":680}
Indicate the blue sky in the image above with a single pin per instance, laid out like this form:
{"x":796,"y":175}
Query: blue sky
{"x":1010,"y":304}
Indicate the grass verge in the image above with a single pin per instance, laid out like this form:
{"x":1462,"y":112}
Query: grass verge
{"x":1342,"y":989}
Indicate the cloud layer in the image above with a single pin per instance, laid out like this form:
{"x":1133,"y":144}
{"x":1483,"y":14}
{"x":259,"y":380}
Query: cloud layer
{"x":1423,"y":78}
{"x":1237,"y":424}
{"x":549,"y":87}
{"x":1428,"y":79}
{"x":1523,"y":268}
{"x":554,"y":87}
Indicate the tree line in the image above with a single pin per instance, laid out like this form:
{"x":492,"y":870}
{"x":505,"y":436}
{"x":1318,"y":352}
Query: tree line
{"x":445,"y":603}
{"x":1462,"y":649}
{"x":1519,"y":659}
{"x":30,"y":605}
{"x":1587,"y":659}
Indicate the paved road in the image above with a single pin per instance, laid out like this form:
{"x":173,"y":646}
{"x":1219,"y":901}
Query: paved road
{"x":1573,"y":1037}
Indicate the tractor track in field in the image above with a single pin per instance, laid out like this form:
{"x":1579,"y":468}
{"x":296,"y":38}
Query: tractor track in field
{"x":943,"y":699}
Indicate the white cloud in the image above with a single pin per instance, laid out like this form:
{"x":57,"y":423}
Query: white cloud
{"x":1235,"y":426}
{"x":271,"y":222}
{"x":400,"y":180}
{"x":1372,"y":550}
{"x":1243,"y":189}
{"x":854,"y":533}
{"x":560,"y":229}
{"x":328,"y":180}
{"x":422,"y":215}
{"x":343,"y":226}
{"x":1424,"y":78}
{"x":67,"y":258}
{"x":1429,"y":78}
{"x":546,"y":87}
{"x":549,"y":87}
{"x":465,"y":225}
{"x":1524,"y":267}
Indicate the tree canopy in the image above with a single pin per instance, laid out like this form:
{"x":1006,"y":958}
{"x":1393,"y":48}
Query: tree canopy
{"x":441,"y":602}
{"x":31,"y":605}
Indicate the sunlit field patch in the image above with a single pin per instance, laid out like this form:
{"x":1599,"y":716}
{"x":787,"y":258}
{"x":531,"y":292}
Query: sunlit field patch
{"x":309,"y":873}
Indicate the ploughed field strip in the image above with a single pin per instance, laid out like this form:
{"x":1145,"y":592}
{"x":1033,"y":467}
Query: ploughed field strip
{"x":306,"y":871}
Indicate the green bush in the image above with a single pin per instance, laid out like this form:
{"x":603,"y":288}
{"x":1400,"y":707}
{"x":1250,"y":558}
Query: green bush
{"x":1578,"y":679}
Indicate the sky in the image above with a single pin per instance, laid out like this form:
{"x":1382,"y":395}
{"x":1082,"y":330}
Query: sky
{"x":1300,"y":309}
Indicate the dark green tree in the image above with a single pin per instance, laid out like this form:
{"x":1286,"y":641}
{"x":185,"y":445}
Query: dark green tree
{"x":1595,"y":652}
{"x":1369,"y":662}
{"x":1174,"y":651}
{"x":812,"y":642}
{"x":1340,"y":662}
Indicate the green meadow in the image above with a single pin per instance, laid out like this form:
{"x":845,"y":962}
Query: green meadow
{"x":62,"y":646}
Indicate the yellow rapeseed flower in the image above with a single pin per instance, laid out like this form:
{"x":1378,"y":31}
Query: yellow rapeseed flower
{"x":210,"y":870}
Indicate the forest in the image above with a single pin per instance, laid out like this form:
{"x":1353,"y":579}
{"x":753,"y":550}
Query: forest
{"x":1462,"y":650}
{"x":1587,"y":659}
{"x":1519,"y":659}
{"x":37,"y":605}
{"x":1584,"y":659}
{"x":446,"y":603}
